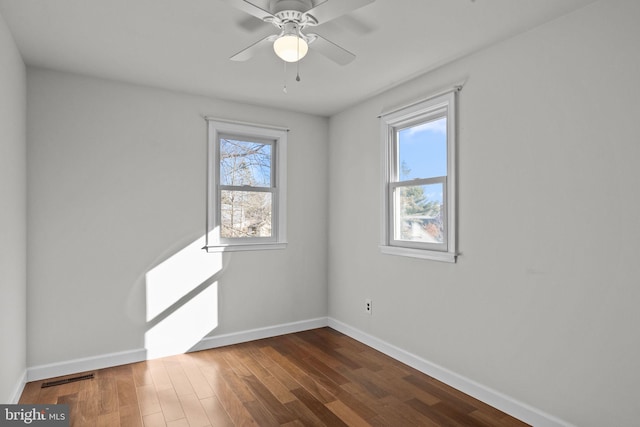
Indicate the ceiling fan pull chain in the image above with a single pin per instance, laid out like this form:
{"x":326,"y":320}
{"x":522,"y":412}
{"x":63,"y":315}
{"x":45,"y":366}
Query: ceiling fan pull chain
{"x":298,"y":61}
{"x":284,"y":80}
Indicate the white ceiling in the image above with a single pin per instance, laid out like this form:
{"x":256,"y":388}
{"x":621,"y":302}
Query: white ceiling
{"x":184,"y":45}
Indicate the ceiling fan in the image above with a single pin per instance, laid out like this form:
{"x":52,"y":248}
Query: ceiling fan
{"x":291,"y":17}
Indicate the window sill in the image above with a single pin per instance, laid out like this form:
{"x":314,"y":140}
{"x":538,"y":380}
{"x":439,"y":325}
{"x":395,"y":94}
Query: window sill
{"x":419,"y":253}
{"x":251,"y":247}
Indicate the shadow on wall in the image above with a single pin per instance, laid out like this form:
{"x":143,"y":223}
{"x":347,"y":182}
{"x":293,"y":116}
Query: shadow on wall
{"x":182,"y":300}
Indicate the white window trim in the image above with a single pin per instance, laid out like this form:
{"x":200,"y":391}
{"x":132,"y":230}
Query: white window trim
{"x":216,"y":128}
{"x":389,"y":123}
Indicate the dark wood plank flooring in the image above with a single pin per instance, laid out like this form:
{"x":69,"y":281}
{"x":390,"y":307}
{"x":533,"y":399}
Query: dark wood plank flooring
{"x":312,"y":378}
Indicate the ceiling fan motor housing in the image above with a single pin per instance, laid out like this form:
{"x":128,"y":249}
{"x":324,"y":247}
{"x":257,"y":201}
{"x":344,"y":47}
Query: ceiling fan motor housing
{"x":288,"y":17}
{"x":277,"y":6}
{"x":291,"y":11}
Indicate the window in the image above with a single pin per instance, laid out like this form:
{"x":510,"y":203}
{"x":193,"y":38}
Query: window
{"x":246,"y":187}
{"x":419,"y":208}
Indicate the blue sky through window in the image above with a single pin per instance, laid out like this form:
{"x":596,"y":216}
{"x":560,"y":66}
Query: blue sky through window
{"x":245,"y":163}
{"x":422,"y":152}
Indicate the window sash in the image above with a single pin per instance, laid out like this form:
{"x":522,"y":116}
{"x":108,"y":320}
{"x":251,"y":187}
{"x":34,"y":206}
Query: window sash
{"x":274,"y":214}
{"x":254,"y":140}
{"x":408,"y":124}
{"x":247,"y":188}
{"x":394,"y":214}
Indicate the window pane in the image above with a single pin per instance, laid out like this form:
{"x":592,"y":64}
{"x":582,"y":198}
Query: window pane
{"x":245,"y":214}
{"x":419,"y":213}
{"x":245,"y":163}
{"x":422,"y":150}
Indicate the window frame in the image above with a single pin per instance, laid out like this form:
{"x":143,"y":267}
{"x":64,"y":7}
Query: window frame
{"x":218,"y":129}
{"x":427,"y":110}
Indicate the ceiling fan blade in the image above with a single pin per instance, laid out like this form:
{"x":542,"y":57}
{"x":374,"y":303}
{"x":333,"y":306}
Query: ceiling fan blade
{"x":328,"y":10}
{"x":249,"y":52}
{"x":331,"y":50}
{"x":250,"y":8}
{"x":250,"y":24}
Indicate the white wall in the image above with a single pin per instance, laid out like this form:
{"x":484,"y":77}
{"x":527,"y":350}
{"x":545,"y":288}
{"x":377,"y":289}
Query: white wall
{"x":117,"y":186}
{"x":543,"y":302}
{"x":13,"y":211}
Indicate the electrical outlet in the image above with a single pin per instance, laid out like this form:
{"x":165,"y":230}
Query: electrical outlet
{"x":368,"y":306}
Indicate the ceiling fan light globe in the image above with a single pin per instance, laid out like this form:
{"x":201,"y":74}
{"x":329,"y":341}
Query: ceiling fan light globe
{"x":290,"y":48}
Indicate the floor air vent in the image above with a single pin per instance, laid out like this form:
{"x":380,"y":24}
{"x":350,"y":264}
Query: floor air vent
{"x":67,"y":380}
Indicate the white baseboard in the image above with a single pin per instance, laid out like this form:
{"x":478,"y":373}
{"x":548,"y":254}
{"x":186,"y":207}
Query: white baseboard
{"x":500,"y":401}
{"x":85,"y":364}
{"x":17,"y":391}
{"x":260,"y":333}
{"x":114,"y":359}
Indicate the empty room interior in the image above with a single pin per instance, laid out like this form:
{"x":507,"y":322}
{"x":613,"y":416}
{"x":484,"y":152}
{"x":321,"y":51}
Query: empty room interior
{"x":123,"y":239}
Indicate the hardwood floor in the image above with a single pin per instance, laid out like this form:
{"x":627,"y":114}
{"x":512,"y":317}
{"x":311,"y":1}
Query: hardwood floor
{"x":313,"y":378}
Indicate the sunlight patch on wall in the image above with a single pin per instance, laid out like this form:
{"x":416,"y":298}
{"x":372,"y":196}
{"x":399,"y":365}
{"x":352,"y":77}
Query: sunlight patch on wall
{"x":182,"y":300}
{"x":177,"y":276}
{"x":184,"y":327}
